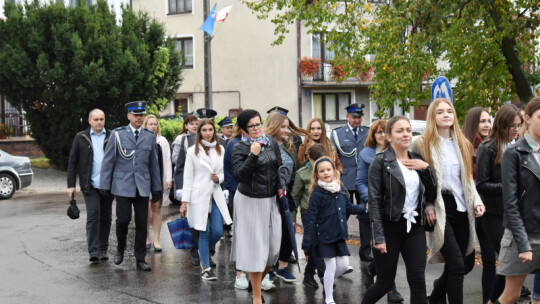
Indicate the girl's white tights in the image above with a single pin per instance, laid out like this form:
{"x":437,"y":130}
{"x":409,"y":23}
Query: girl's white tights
{"x":335,"y":267}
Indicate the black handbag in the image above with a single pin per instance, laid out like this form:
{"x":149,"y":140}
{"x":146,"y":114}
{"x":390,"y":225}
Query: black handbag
{"x":73,"y":211}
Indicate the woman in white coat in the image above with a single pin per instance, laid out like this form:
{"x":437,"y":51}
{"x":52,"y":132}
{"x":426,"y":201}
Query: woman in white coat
{"x":154,"y":209}
{"x":202,"y":197}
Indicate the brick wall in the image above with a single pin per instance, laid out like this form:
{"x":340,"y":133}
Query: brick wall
{"x":24,"y":146}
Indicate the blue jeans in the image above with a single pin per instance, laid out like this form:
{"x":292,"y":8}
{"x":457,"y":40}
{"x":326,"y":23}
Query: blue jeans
{"x":209,"y":238}
{"x":536,"y":287}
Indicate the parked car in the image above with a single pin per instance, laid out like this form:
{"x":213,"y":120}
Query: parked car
{"x":15,"y":174}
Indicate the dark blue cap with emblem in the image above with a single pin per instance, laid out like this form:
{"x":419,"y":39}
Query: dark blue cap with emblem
{"x":355,"y":109}
{"x":206,"y":113}
{"x":136,"y":107}
{"x":225,"y":122}
{"x":279,"y":110}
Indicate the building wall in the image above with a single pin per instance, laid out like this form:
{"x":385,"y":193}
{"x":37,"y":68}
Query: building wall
{"x":247,"y":71}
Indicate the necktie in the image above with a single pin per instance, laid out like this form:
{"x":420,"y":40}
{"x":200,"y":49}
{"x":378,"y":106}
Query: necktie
{"x":355,"y":134}
{"x":136,"y":135}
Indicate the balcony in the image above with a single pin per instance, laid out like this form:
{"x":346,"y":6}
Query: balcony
{"x":325,"y":77}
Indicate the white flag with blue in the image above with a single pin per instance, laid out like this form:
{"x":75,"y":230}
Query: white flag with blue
{"x":208,"y":25}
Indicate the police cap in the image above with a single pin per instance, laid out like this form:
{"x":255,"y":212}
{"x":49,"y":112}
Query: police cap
{"x":279,"y":110}
{"x":355,"y":109}
{"x":206,"y":113}
{"x":225,"y":122}
{"x":136,"y":107}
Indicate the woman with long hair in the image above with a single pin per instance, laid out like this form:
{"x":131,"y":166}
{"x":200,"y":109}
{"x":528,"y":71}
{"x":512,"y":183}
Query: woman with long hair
{"x":317,"y":134}
{"x":154,"y":209}
{"x":476,"y":128}
{"x":189,"y":126}
{"x":444,"y":147}
{"x":400,"y":185}
{"x":505,"y":131}
{"x":280,"y":128}
{"x":375,"y":143}
{"x":257,"y":221}
{"x":520,"y":245}
{"x":202,"y":198}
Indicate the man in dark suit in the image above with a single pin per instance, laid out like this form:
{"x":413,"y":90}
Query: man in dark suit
{"x":130,"y":171}
{"x":85,"y":158}
{"x":349,"y":140}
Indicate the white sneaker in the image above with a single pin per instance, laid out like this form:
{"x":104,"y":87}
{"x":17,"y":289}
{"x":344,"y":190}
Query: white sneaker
{"x":267,"y":284}
{"x":349,"y":270}
{"x":241,"y":282}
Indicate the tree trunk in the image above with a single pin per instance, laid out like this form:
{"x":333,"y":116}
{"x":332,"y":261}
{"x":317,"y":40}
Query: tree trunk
{"x":523,"y":88}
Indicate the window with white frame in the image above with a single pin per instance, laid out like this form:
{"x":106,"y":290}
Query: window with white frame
{"x":180,"y":6}
{"x":185,"y":45}
{"x":330,"y":107}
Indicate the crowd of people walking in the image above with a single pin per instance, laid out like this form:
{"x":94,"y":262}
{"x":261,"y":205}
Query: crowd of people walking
{"x":437,"y":193}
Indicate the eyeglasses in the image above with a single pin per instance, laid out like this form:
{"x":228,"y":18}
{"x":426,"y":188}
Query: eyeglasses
{"x":255,"y":126}
{"x":516,"y":127}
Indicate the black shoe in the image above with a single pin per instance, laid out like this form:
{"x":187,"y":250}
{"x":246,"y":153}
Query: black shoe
{"x":142,"y":266}
{"x":118,"y":257}
{"x":157,"y":249}
{"x":212,"y":263}
{"x":94,"y":258}
{"x":309,"y":281}
{"x":394,"y":296}
{"x":148,"y":246}
{"x":525,"y":292}
{"x":208,"y":275}
{"x":292,"y":259}
{"x":366,"y":257}
{"x":103,"y":256}
{"x":194,"y":258}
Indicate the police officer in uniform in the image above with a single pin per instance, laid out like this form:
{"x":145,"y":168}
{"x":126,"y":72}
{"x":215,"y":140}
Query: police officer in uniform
{"x":226,"y":125}
{"x":130,"y":171}
{"x":349,"y":140}
{"x":187,"y":142}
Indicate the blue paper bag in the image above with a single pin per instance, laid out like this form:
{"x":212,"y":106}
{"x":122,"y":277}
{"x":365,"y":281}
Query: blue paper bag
{"x":180,"y":233}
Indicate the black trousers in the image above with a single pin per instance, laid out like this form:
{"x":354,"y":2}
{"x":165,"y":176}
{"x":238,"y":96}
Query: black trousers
{"x":123,"y":218}
{"x":315,"y":262}
{"x":365,"y":227}
{"x":98,"y":220}
{"x":412,"y":246}
{"x":494,"y":283}
{"x":456,"y":238}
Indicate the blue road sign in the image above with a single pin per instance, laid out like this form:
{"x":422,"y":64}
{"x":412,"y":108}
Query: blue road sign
{"x":441,"y":89}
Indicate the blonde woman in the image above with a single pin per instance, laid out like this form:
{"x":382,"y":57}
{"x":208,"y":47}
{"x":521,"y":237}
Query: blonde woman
{"x":317,"y":134}
{"x":279,"y":127}
{"x":444,"y":147}
{"x":154,"y":209}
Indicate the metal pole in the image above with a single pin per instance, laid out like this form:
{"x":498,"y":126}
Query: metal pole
{"x":207,"y":62}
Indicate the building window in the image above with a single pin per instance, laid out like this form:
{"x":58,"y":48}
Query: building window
{"x":331,"y":106}
{"x":180,"y":105}
{"x":185,"y":45}
{"x":319,"y":48}
{"x":180,"y":6}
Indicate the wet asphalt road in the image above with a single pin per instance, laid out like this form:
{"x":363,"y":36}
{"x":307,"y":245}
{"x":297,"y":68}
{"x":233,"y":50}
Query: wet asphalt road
{"x":44,"y":260}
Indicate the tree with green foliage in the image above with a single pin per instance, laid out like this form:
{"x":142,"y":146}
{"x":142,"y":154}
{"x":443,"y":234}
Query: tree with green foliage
{"x":57,"y":63}
{"x":489,"y":45}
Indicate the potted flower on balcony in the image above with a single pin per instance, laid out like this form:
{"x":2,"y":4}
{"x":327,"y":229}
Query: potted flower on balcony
{"x":5,"y":131}
{"x":338,"y":71}
{"x":308,"y":67}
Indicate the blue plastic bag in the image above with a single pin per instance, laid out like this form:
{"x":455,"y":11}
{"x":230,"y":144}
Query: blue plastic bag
{"x":181,"y":233}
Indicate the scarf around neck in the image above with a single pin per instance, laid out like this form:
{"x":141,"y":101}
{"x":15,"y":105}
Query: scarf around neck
{"x":212,"y":157}
{"x":332,"y":186}
{"x":263,"y":140}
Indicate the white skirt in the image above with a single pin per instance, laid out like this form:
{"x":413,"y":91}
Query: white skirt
{"x":257,"y":233}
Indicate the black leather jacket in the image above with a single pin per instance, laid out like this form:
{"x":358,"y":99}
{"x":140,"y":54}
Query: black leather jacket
{"x":81,"y":158}
{"x":521,"y":193}
{"x":386,"y":194}
{"x":257,"y":175}
{"x":488,"y":178}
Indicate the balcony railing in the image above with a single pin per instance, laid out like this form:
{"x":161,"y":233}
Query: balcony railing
{"x":326,"y":73}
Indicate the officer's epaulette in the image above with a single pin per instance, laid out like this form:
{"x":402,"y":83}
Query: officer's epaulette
{"x":120,"y":128}
{"x":149,"y":130}
{"x":337,"y":128}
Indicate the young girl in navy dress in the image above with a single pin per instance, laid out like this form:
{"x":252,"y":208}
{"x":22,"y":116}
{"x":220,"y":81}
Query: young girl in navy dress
{"x":325,"y":223}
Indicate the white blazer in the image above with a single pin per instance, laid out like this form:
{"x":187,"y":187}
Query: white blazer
{"x":199,"y":189}
{"x":167,"y":167}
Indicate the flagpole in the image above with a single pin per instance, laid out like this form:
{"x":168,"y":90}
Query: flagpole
{"x":207,"y":62}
